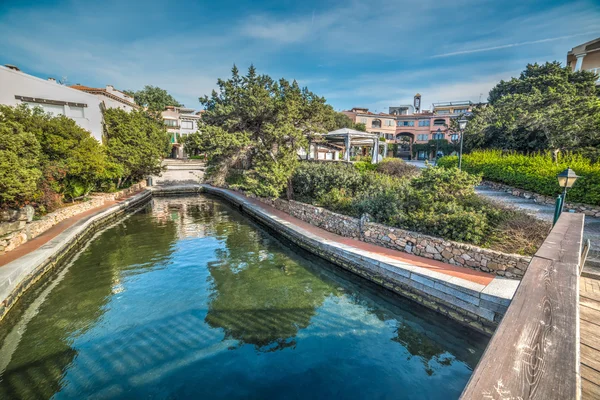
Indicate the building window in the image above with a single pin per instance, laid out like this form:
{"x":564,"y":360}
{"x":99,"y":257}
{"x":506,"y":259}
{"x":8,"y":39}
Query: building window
{"x":376,"y":123}
{"x":439,"y":122}
{"x":423,"y":122}
{"x":187,"y":124}
{"x":438,"y":136}
{"x":423,"y":137}
{"x":442,"y":112}
{"x":454,"y":137}
{"x":461,"y":110}
{"x":406,"y":123}
{"x":389,"y":122}
{"x":49,"y":108}
{"x":171,"y":122}
{"x":76,"y":112}
{"x":363,"y":120}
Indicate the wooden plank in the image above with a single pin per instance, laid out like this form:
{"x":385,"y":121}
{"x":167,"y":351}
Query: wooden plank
{"x":589,"y":390}
{"x":590,"y":374}
{"x":590,"y":315}
{"x":534,"y":352}
{"x":583,"y":301}
{"x":590,"y":357}
{"x":590,"y":335}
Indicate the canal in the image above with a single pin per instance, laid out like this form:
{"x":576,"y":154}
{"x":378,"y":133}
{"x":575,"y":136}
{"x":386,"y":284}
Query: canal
{"x":188,"y":298}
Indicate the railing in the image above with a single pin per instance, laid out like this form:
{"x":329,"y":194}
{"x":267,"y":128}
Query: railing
{"x":534,"y":353}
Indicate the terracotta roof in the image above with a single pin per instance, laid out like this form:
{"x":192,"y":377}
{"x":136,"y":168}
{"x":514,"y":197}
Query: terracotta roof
{"x":104,"y":92}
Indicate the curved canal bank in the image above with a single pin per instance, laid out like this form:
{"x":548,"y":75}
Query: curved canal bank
{"x":186,"y":297}
{"x":471,"y":298}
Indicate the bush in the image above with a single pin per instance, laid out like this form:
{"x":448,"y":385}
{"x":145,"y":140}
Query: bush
{"x":397,"y":167}
{"x":535,"y":173}
{"x":312,"y":180}
{"x":19,"y":164}
{"x":63,"y":160}
{"x":363,"y":166}
{"x":440,"y":202}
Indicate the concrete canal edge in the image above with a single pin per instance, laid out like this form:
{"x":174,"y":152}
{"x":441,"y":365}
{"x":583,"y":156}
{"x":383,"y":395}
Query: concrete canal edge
{"x":481,"y":307}
{"x":19,"y":275}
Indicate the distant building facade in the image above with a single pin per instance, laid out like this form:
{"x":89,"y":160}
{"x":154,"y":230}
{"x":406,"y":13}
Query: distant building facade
{"x":585,"y":57}
{"x":381,"y":124}
{"x":405,"y":127}
{"x":17,"y":87}
{"x":111,"y":97}
{"x":180,"y":122}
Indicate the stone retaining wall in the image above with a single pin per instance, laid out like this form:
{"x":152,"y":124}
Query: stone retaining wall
{"x":478,"y":306}
{"x":19,"y":227}
{"x":19,"y":275}
{"x":502,"y":264}
{"x":587,"y":209}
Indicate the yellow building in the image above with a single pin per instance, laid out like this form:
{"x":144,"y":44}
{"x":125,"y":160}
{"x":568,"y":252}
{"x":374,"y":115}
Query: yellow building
{"x":585,"y":57}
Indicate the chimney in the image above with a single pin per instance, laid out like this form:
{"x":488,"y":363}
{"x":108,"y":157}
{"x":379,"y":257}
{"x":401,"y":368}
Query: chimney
{"x":52,"y":80}
{"x":110,"y":88}
{"x":13,"y":67}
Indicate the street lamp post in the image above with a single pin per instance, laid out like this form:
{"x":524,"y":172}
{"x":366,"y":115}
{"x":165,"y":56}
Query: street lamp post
{"x":462,"y":124}
{"x":566,"y":179}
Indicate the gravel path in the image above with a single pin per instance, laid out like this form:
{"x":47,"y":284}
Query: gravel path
{"x":546,"y":212}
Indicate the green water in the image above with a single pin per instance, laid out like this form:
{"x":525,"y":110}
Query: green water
{"x":188,"y":298}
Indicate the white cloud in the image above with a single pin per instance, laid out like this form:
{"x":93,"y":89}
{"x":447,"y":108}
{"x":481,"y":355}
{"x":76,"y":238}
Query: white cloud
{"x":506,"y":46}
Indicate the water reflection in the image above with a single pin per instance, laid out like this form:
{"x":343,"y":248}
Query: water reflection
{"x":188,"y":299}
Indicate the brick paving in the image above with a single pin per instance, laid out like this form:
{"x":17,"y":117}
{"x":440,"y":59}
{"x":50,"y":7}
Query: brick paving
{"x":437,"y":266}
{"x":54,"y":231}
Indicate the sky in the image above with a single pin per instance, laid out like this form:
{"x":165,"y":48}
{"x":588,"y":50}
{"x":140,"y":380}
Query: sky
{"x":371,"y":54}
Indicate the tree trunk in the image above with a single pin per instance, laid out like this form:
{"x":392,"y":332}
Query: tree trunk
{"x":290,"y":189}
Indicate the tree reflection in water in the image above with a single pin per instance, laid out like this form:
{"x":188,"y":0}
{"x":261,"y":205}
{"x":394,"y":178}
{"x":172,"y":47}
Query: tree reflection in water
{"x":261,"y":295}
{"x":190,"y":288}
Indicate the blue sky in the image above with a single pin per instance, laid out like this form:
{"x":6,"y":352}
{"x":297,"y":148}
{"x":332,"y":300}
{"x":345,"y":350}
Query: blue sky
{"x":355,"y":53}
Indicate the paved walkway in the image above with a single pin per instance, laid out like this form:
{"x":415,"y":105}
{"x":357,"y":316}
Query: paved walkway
{"x":54,"y":231}
{"x":471,"y":275}
{"x":589,"y":316}
{"x":546,"y":212}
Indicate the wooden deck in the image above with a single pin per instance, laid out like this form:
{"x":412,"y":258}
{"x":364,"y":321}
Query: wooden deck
{"x":589,"y":315}
{"x":534,"y":352}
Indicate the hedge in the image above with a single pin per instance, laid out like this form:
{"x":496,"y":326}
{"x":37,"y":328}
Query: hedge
{"x":535,"y":173}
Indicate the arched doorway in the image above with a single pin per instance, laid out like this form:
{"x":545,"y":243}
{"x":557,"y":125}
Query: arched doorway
{"x":404,"y":140}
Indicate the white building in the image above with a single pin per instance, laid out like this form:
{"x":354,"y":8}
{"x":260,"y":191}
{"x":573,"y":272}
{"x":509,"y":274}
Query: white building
{"x":111,"y":97}
{"x":85,"y":109}
{"x":180,"y":122}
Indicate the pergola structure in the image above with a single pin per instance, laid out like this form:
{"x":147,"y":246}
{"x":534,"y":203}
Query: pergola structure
{"x":347,"y":138}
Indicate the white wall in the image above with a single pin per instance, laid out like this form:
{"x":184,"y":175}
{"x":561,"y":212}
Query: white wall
{"x":111,"y":103}
{"x":16,"y":83}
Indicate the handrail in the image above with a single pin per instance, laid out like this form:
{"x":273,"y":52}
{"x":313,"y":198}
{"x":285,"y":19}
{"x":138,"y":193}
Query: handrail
{"x":534,"y":353}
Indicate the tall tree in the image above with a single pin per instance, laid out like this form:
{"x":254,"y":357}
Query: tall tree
{"x":154,"y":98}
{"x":135,"y":142}
{"x":257,"y":124}
{"x":548,"y":107}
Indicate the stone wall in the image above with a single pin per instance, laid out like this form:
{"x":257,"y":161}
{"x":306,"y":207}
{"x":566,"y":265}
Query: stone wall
{"x":587,"y":209}
{"x":469,"y":256}
{"x":18,"y":226}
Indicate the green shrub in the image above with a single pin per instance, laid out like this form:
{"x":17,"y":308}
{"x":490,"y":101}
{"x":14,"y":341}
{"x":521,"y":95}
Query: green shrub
{"x":535,"y":173}
{"x":397,"y":167}
{"x":68,"y":160}
{"x":19,"y":164}
{"x":312,"y":180}
{"x":364,"y":166}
